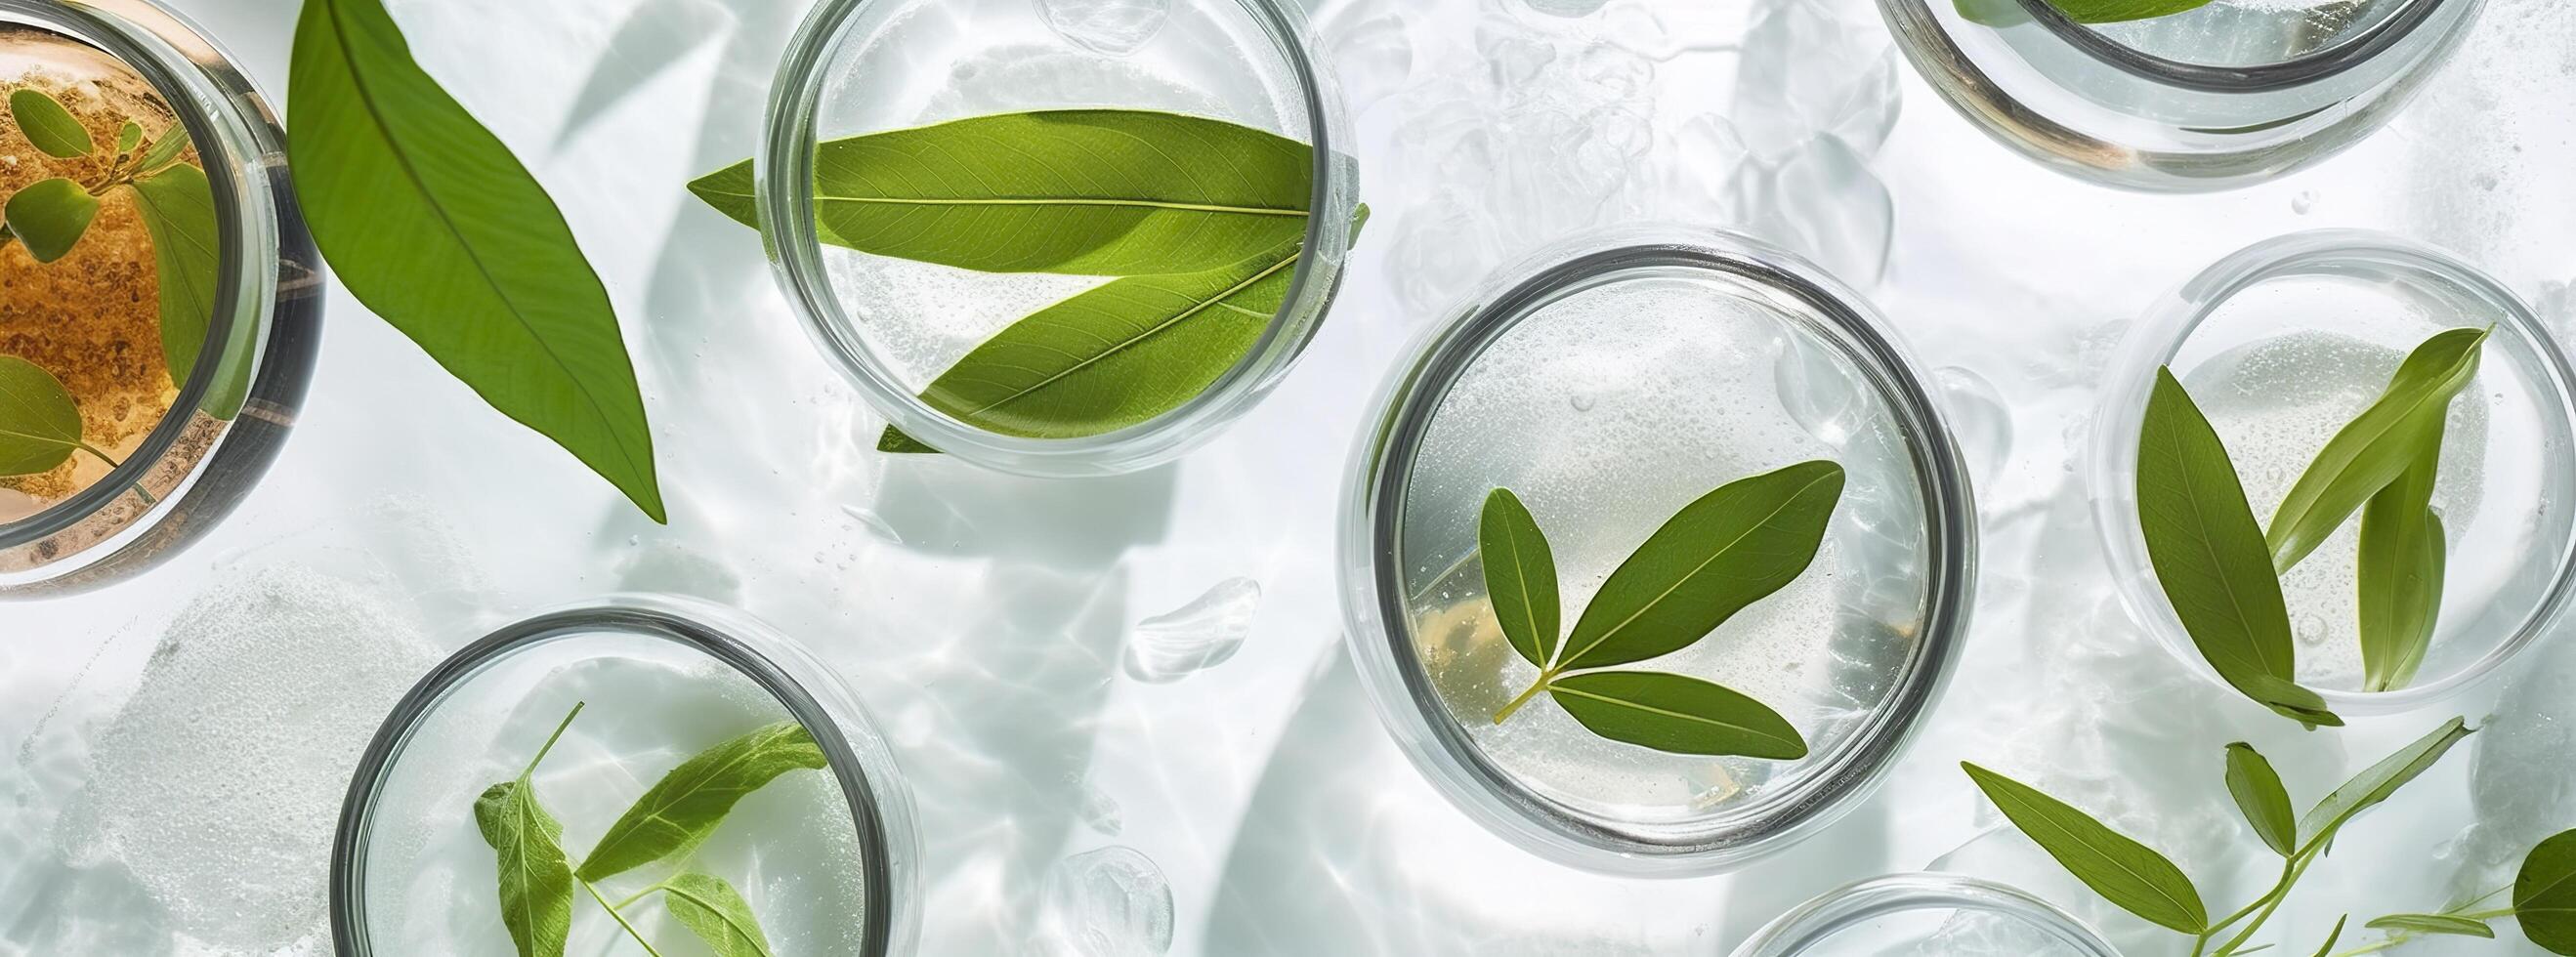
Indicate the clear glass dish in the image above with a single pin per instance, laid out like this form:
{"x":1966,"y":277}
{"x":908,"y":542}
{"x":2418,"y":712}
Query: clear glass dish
{"x":1926,"y":915}
{"x":866,"y":66}
{"x":408,"y":867}
{"x":2224,"y":95}
{"x":2281,"y":344}
{"x":175,"y":481}
{"x":1609,"y":381}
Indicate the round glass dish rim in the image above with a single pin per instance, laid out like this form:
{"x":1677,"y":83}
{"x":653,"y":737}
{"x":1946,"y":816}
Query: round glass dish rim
{"x":681,"y":621}
{"x":214,"y":140}
{"x":1876,"y":897}
{"x":2112,"y":465}
{"x":2297,"y":71}
{"x":782,"y":184}
{"x":1372,"y":597}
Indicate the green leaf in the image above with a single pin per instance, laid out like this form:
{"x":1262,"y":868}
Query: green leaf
{"x":2258,"y":792}
{"x":713,"y":910}
{"x":40,"y":426}
{"x":51,"y":128}
{"x":2331,"y":936}
{"x":2125,"y":872}
{"x":2375,"y":783}
{"x":2400,"y":570}
{"x":1086,"y":192}
{"x":2376,"y":446}
{"x":128,"y":137}
{"x":1676,"y":713}
{"x":430,"y":221}
{"x":2433,"y":924}
{"x":1520,"y":576}
{"x":1992,"y":13}
{"x":2117,"y":11}
{"x":2544,"y":894}
{"x":165,"y":151}
{"x":1717,"y":555}
{"x":178,"y":207}
{"x":50,"y":216}
{"x":686,"y":805}
{"x":527,"y":844}
{"x":2209,"y":555}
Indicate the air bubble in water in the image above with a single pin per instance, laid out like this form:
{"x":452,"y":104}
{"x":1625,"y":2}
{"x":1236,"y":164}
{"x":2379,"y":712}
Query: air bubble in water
{"x":1112,"y":902}
{"x":2305,"y":201}
{"x":1195,"y":636}
{"x":1114,"y":27}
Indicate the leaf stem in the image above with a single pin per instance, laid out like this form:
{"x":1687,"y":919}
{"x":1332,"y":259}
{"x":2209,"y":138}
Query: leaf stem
{"x":1540,"y":685}
{"x":603,"y":902}
{"x":550,"y":745}
{"x":2270,"y":902}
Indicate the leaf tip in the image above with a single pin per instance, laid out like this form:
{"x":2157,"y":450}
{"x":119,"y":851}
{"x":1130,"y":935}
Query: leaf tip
{"x":894,"y":441}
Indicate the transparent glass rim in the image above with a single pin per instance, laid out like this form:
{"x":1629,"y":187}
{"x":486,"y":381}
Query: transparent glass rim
{"x":2307,"y":68}
{"x":1373,"y":591}
{"x":880,"y":804}
{"x":238,"y":139}
{"x":1851,"y":905}
{"x":783,"y":175}
{"x":2155,"y":339}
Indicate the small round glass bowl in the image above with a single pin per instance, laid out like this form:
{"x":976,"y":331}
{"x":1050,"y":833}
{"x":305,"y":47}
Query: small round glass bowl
{"x":1608,"y":382}
{"x":2284,"y":342}
{"x":868,"y":66}
{"x":179,"y":478}
{"x":1931,"y":915}
{"x":827,"y":861}
{"x":2221,"y":96}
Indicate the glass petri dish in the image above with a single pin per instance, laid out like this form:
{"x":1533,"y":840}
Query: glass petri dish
{"x":1608,"y":382}
{"x":2225,"y":95}
{"x":177,"y":328}
{"x":892,"y":325}
{"x":1926,"y":915}
{"x":826,"y":859}
{"x":2281,"y":344}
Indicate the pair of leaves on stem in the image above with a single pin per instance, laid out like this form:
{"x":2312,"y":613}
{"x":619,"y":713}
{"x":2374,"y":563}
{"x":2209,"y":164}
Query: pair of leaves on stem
{"x":2544,"y":903}
{"x":2221,"y":572}
{"x":2139,"y":880}
{"x":1203,"y":221}
{"x":1716,"y":556}
{"x":673,"y":817}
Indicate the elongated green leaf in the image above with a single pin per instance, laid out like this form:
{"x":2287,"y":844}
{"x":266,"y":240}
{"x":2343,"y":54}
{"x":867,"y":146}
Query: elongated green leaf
{"x":40,"y":426}
{"x":2125,"y":872}
{"x":713,"y":910}
{"x":2400,"y":570}
{"x":165,"y":151}
{"x":2433,"y":924}
{"x":430,"y":221}
{"x":1717,"y":555}
{"x":128,"y":137}
{"x":2118,"y":11}
{"x":48,"y":126}
{"x":2375,"y":783}
{"x":2331,"y":936}
{"x":178,"y":208}
{"x":1112,"y":356}
{"x":1520,"y":576}
{"x":2209,"y":556}
{"x":1086,"y":192}
{"x":2376,"y":446}
{"x":50,"y":216}
{"x":2258,"y":792}
{"x":1676,"y":713}
{"x":680,"y":810}
{"x":2544,"y":894}
{"x":536,"y":880}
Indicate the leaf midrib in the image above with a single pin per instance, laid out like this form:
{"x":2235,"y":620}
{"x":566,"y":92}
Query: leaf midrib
{"x":738,"y":930}
{"x":2209,"y":547}
{"x":1131,"y":341}
{"x":694,"y":787}
{"x":1650,"y":709}
{"x":2114,"y":859}
{"x":1668,"y":591}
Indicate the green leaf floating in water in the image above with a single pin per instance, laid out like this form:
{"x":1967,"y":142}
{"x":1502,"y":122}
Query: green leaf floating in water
{"x":2125,"y":872}
{"x":1999,"y":13}
{"x":2258,"y":792}
{"x":50,"y":216}
{"x":1520,"y":577}
{"x":686,"y":804}
{"x":40,"y":426}
{"x":716,"y":913}
{"x":1082,"y":192}
{"x":178,"y":208}
{"x":2375,"y":447}
{"x":52,"y":129}
{"x":128,"y":137}
{"x":435,"y":226}
{"x":2544,"y":894}
{"x":1725,"y":551}
{"x":527,"y":842}
{"x":2377,"y":782}
{"x":2399,"y":569}
{"x":1677,"y":714}
{"x":2209,"y":555}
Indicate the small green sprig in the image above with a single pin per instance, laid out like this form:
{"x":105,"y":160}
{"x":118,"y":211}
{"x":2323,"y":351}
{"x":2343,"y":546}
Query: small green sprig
{"x":1718,"y":555}
{"x":668,"y":823}
{"x":2222,"y":573}
{"x":2137,"y":879}
{"x":2544,"y":906}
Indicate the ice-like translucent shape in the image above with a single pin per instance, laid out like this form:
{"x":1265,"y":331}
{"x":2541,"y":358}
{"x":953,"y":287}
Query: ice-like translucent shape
{"x":1822,"y":201}
{"x":1566,"y":8}
{"x":1198,"y":635}
{"x":1373,"y":57}
{"x":1977,"y":418}
{"x":1099,"y":811}
{"x":1113,"y":27}
{"x":1112,"y":902}
{"x":1808,"y":72}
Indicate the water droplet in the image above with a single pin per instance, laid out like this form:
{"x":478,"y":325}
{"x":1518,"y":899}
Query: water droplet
{"x":1114,"y":27}
{"x":2312,"y":629}
{"x":2305,"y":201}
{"x":1583,"y":402}
{"x":1112,"y":902}
{"x":1195,"y":636}
{"x":873,"y":522}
